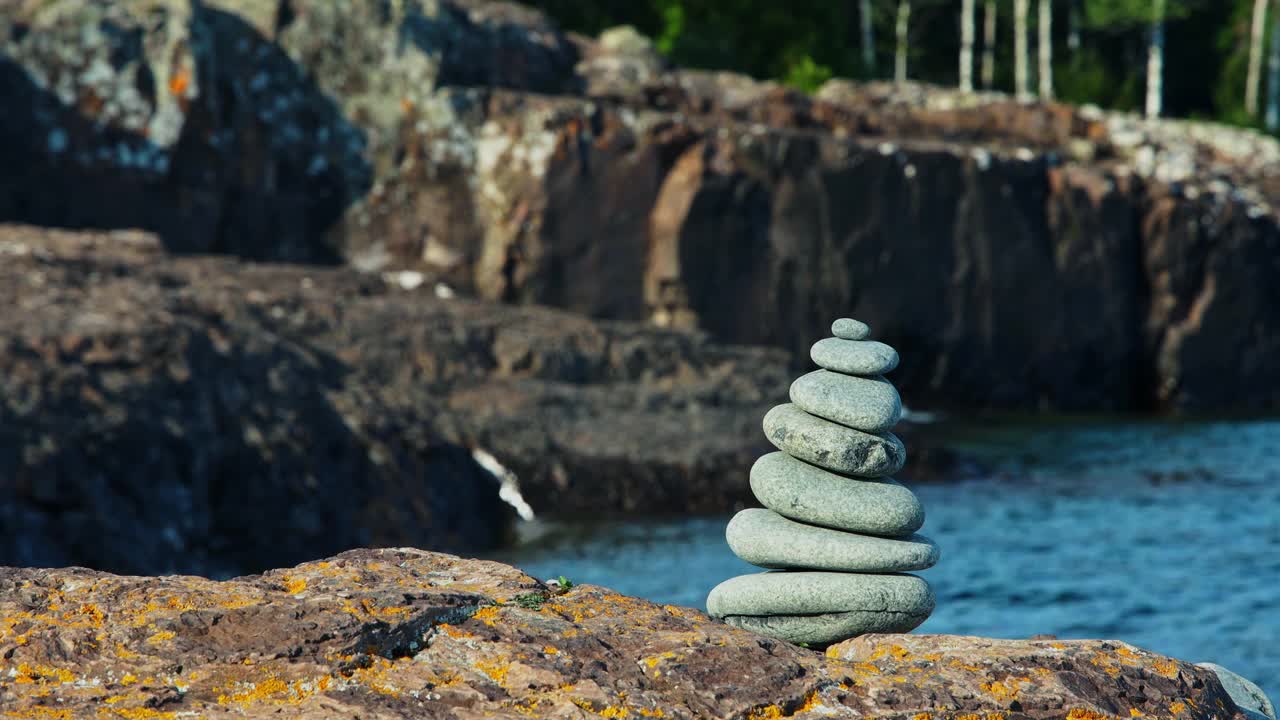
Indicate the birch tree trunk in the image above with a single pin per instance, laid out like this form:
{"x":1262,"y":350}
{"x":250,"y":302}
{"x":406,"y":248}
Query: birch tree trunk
{"x":1021,"y":84}
{"x":900,"y":55}
{"x":1273,"y":71}
{"x":1155,"y":61}
{"x":966,"y":45}
{"x":989,"y":45}
{"x":1255,"y":57}
{"x":868,"y":38}
{"x":1046,"y":50}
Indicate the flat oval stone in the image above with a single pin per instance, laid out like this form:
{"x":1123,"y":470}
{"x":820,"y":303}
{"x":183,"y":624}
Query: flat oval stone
{"x":765,"y":538}
{"x":850,"y":329}
{"x":870,"y":404}
{"x":810,"y":494}
{"x":818,"y":631}
{"x":834,"y":447}
{"x":767,"y":602}
{"x":854,"y":357}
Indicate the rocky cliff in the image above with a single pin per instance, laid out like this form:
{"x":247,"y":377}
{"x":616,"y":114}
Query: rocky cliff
{"x":1020,"y":256}
{"x":203,"y":414}
{"x":406,"y":633}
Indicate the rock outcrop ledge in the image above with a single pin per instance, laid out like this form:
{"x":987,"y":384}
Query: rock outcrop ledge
{"x":408,"y":633}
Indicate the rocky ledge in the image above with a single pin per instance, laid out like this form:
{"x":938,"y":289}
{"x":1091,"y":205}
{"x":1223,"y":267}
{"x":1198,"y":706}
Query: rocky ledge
{"x":213,"y":416}
{"x":1058,"y":257}
{"x":406,"y":633}
{"x":208,"y":415}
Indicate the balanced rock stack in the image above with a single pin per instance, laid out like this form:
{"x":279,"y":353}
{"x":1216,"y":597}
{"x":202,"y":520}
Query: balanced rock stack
{"x":838,"y":533}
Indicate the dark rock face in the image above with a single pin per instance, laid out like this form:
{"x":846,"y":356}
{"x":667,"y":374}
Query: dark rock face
{"x":1020,"y":256}
{"x":406,"y":633}
{"x":163,"y":414}
{"x":179,"y":118}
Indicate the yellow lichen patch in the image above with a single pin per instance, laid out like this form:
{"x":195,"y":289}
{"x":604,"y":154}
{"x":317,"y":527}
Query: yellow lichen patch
{"x":125,"y":653}
{"x":922,"y":716}
{"x":1007,"y":689}
{"x":653,"y":660}
{"x":497,"y":671}
{"x":1167,"y":668}
{"x":371,"y":609}
{"x":128,"y":679}
{"x":161,"y":636}
{"x":41,"y":674}
{"x":673,"y":610}
{"x":293,"y":585}
{"x":811,"y":701}
{"x":374,"y":677}
{"x":1135,"y":712}
{"x":1083,"y":714}
{"x":549,"y":650}
{"x":488,"y":615}
{"x":768,"y":712}
{"x":896,"y":651}
{"x":453,"y":632}
{"x":1177,"y":707}
{"x":962,"y":666}
{"x":864,"y":669}
{"x":655,"y":713}
{"x":256,"y":692}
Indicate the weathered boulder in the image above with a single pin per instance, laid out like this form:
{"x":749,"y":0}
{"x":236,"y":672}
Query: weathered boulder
{"x":1042,"y":678}
{"x":406,"y":633}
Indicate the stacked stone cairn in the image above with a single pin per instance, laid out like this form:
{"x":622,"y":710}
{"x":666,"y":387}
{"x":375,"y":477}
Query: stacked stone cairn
{"x":838,"y":534}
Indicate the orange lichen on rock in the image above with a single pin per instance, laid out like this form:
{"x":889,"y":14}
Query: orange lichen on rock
{"x":1085,"y":714}
{"x":497,"y":671}
{"x":27,"y":673}
{"x":1166,"y":668}
{"x":768,"y":712}
{"x":294,"y":585}
{"x":1006,"y":689}
{"x":161,"y":636}
{"x":487,"y":615}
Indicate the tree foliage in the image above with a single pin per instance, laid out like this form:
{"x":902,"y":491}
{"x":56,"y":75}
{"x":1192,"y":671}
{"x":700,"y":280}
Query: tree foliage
{"x":805,"y":42}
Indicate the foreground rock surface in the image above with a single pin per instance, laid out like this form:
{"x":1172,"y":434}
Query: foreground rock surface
{"x":407,"y":633}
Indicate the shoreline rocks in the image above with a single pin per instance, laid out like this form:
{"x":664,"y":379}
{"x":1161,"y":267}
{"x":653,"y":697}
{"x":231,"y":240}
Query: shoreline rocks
{"x":404,"y":633}
{"x":839,"y":422}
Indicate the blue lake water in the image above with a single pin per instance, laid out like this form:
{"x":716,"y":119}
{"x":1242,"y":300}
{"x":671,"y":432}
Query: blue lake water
{"x":1165,"y":535}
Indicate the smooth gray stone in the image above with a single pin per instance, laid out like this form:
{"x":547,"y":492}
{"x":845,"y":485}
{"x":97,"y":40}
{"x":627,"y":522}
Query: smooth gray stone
{"x":850,"y":329}
{"x":821,"y":607}
{"x":810,"y":494}
{"x":832,"y":446}
{"x":854,"y":357}
{"x":868,"y":404}
{"x":827,"y":628}
{"x":765,"y":538}
{"x":1246,"y":694}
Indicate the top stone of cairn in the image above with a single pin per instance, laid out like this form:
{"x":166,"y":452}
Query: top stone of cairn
{"x":850,"y":329}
